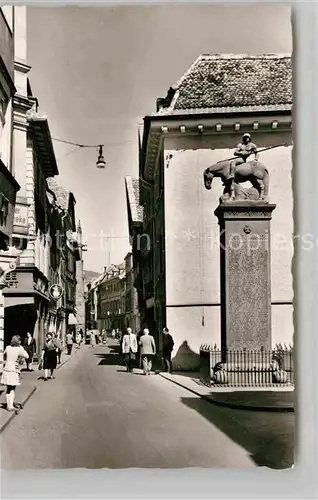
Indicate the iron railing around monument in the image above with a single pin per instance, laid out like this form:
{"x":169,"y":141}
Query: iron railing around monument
{"x":247,"y":368}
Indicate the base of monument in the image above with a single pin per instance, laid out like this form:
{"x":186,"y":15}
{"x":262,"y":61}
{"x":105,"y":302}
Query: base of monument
{"x":247,"y":375}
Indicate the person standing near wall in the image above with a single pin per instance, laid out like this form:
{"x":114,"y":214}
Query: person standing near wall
{"x":167,"y":348}
{"x":30,"y":347}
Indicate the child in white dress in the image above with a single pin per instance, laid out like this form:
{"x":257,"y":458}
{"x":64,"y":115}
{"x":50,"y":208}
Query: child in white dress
{"x":11,"y":373}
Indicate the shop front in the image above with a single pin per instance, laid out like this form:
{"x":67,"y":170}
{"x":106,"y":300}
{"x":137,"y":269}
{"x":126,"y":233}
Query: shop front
{"x":26,"y":305}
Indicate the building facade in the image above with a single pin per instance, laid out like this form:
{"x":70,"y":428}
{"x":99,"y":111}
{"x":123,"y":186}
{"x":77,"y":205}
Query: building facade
{"x":132,"y":316}
{"x":80,"y":287}
{"x":91,"y":302}
{"x":198,"y":123}
{"x":8,"y":184}
{"x":31,"y":161}
{"x":64,"y":255}
{"x":31,"y":221}
{"x":111,"y":298}
{"x":135,"y":225}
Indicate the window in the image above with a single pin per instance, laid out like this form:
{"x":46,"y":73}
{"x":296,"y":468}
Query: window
{"x":4,"y":209}
{"x":4,"y":101}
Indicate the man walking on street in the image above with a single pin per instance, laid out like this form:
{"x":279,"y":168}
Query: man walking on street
{"x":147,"y":350}
{"x":69,"y":343}
{"x":167,"y":349}
{"x":129,"y":349}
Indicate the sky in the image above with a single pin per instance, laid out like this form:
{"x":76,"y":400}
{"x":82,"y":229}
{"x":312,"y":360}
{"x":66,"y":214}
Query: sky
{"x":97,"y":71}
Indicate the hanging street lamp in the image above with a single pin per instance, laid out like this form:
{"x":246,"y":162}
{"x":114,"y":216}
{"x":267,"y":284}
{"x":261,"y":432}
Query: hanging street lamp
{"x":100,"y":160}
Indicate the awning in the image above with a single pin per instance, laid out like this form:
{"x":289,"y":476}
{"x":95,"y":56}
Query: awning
{"x":72,"y":320}
{"x":10,"y":301}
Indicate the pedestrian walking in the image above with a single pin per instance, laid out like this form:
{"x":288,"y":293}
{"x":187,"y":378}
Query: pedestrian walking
{"x":99,"y":338}
{"x":121,"y":353}
{"x":30,"y":346}
{"x":139,"y":335}
{"x":49,"y":356}
{"x":69,"y":343}
{"x":147,"y":351}
{"x":93,"y":339}
{"x":81,"y":333}
{"x":129,"y":349}
{"x":13,"y":355}
{"x":58,"y":344}
{"x":167,"y":348}
{"x":78,"y":340}
{"x":104,"y":336}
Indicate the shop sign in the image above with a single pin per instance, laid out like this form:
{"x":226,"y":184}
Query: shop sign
{"x":55,"y":292}
{"x":20,"y":219}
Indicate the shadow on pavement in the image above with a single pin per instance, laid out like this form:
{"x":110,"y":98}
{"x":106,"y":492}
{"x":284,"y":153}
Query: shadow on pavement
{"x":108,"y":358}
{"x":268,"y":437}
{"x":115,"y":349}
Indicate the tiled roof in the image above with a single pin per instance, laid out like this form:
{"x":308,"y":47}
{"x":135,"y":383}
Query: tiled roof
{"x":132,"y":187}
{"x":114,"y":270}
{"x":62,"y":195}
{"x":234,"y":81}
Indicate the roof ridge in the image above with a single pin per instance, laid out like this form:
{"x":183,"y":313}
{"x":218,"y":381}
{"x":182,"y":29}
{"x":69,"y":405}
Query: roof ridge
{"x":189,"y":70}
{"x":225,"y":55}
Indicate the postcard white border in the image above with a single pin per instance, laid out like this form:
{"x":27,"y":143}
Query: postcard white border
{"x":300,"y":481}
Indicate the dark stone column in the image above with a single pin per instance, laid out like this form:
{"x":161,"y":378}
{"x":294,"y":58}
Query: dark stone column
{"x":245,"y":275}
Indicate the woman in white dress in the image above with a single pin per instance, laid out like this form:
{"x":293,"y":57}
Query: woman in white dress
{"x":93,"y":339}
{"x":11,"y":374}
{"x":78,"y":339}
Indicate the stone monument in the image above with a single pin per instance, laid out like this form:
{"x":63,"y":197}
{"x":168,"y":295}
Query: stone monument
{"x":245,"y":274}
{"x":244,"y":216}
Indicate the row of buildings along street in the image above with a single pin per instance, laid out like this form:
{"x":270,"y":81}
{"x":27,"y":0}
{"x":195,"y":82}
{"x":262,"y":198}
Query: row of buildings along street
{"x":40,"y":237}
{"x":111,"y":299}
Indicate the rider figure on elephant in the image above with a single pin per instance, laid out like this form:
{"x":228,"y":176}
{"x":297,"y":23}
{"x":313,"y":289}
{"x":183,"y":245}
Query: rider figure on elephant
{"x":243,"y":150}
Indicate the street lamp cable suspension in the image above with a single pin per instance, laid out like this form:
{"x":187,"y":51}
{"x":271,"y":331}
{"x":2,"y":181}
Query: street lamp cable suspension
{"x":92,"y":145}
{"x":100,"y":163}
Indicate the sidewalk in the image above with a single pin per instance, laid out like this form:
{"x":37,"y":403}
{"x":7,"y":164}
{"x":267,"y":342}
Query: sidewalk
{"x":278,"y":399}
{"x":29,"y":382}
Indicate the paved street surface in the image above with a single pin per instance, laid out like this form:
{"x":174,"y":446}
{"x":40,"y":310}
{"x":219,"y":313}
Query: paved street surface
{"x":94,"y":415}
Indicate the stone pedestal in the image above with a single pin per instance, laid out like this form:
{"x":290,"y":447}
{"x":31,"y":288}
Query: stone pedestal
{"x":245,"y":275}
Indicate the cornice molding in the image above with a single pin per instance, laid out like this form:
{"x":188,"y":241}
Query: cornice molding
{"x":22,"y":66}
{"x":208,"y":125}
{"x":21,"y":103}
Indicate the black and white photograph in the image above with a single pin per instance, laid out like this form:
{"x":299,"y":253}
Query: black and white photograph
{"x":147,"y":237}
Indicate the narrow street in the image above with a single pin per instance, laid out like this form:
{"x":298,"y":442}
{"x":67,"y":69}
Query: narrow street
{"x":94,"y":415}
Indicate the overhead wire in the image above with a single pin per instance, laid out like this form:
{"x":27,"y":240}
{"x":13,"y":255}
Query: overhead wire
{"x":81,"y":146}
